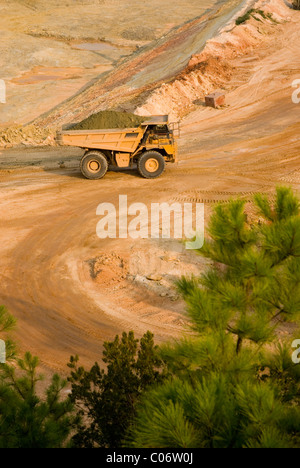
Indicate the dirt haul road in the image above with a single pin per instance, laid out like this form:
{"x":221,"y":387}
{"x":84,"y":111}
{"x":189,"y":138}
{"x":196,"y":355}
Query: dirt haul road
{"x":70,"y":290}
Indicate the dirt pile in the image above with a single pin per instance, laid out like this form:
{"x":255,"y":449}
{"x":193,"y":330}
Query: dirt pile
{"x":30,"y":135}
{"x":108,"y":268}
{"x":109,"y":119}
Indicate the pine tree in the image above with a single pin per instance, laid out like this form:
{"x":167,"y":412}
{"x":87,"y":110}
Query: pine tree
{"x":27,"y":420}
{"x":107,"y":399}
{"x":227,"y":389}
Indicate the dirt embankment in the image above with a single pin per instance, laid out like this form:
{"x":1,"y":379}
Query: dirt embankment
{"x":29,"y":135}
{"x":70,"y":290}
{"x":50,"y":50}
{"x":168,"y":77}
{"x":129,"y":84}
{"x":212,"y":68}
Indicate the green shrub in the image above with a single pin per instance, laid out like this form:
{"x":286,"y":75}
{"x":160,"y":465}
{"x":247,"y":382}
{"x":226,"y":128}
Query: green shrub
{"x":296,"y":4}
{"x":254,"y":13}
{"x":107,"y":399}
{"x":28,"y":420}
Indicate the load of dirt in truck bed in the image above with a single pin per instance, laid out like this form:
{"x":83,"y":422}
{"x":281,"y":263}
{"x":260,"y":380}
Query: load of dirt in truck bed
{"x":109,"y":119}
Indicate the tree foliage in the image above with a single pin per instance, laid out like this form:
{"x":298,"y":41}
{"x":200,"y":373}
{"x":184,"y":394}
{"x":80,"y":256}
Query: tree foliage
{"x":233,"y":382}
{"x":107,"y":398}
{"x":27,"y":420}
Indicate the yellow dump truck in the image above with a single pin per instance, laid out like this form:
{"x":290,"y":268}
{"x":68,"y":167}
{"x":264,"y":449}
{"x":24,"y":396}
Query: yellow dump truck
{"x":150,"y":146}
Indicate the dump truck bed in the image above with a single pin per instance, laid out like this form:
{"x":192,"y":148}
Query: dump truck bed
{"x":120,"y":140}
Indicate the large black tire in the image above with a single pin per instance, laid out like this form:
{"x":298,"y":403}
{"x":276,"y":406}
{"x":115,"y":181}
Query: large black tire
{"x":151,"y":164}
{"x":94,"y":165}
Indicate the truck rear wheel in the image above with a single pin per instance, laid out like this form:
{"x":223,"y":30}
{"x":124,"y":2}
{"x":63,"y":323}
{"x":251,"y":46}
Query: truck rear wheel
{"x":151,"y":164}
{"x":94,"y":165}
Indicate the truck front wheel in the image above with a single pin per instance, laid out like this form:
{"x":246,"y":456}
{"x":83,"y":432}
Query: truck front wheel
{"x":151,"y":164}
{"x":94,"y":165}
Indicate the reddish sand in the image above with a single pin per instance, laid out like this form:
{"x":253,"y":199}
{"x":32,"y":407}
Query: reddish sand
{"x":69,"y":290}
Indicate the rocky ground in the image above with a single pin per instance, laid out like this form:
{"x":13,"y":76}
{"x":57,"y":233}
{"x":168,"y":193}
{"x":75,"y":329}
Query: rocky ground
{"x":50,"y":50}
{"x":70,"y":290}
